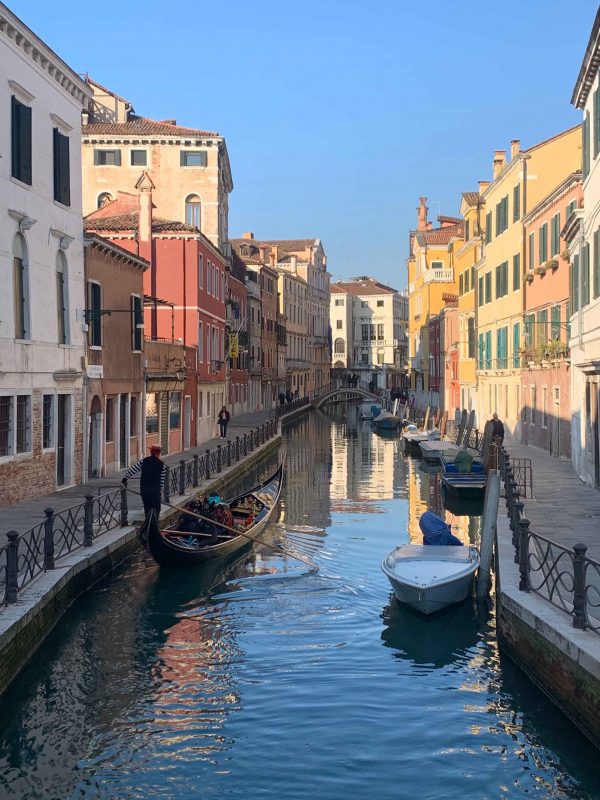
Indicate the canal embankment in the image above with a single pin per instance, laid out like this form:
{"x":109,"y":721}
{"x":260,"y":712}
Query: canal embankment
{"x":548,"y":582}
{"x":66,"y":543}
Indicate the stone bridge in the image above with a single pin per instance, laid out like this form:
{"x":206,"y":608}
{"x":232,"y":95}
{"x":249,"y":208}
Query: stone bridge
{"x":344,"y":393}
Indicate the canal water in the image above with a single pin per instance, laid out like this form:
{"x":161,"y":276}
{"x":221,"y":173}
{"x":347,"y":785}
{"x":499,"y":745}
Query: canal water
{"x":272,"y":678}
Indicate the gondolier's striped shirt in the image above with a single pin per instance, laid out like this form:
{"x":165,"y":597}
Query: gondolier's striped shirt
{"x":138,"y":468}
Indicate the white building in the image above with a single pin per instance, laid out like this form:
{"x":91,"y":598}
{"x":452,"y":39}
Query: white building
{"x":42,"y":344}
{"x":369,"y":330}
{"x":582,"y":231}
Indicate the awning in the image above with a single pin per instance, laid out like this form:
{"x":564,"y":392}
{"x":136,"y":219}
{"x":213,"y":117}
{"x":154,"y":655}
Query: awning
{"x":163,"y":383}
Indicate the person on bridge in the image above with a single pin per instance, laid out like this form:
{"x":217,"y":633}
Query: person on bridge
{"x":224,"y":417}
{"x":497,"y":429}
{"x":152,"y":480}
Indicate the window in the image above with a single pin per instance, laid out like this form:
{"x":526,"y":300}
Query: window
{"x":531,"y":264}
{"x":372,"y":332}
{"x":192,"y":210}
{"x":555,"y":323}
{"x":339,"y":302}
{"x":502,"y":215}
{"x":488,"y":287}
{"x":517,"y":203}
{"x":437,"y":265}
{"x":21,"y":287}
{"x":541,"y":335}
{"x":48,"y":421}
{"x":575,"y":283}
{"x":461,"y":284}
{"x":380,"y":358}
{"x":192,"y":158}
{"x":21,"y":141}
{"x":103,"y":199}
{"x":516,"y":265}
{"x":533,"y":401}
{"x":543,"y":243}
{"x":174,"y":410}
{"x":61,"y":298}
{"x":137,"y":323}
{"x":488,"y":227}
{"x":570,"y":209}
{"x":110,"y":419}
{"x":107,"y":158}
{"x":466,"y":281}
{"x":139,"y":158}
{"x":338,"y":324}
{"x":208,"y":278}
{"x":480,"y":291}
{"x":364,"y":304}
{"x":585,"y":143}
{"x":23,"y":423}
{"x":133,"y":416}
{"x":380,"y":333}
{"x":471,"y":337}
{"x":528,"y":330}
{"x":200,"y":341}
{"x":488,"y":349}
{"x":481,"y":355}
{"x":94,"y":308}
{"x":502,"y":348}
{"x":62,"y":174}
{"x":544,"y":406}
{"x":380,"y":303}
{"x":339,"y":346}
{"x":516,"y":346}
{"x":555,"y":235}
{"x":364,"y":358}
{"x":365,"y":333}
{"x":200,"y":271}
{"x":502,"y":280}
{"x":6,"y":426}
{"x":585,"y":275}
{"x":152,"y":405}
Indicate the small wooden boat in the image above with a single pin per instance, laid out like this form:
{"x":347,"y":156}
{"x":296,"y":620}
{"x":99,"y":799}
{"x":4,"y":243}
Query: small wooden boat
{"x":365,"y":411}
{"x":433,"y":449}
{"x":431,"y":577}
{"x":250,"y":511}
{"x":468,"y":483}
{"x":386,"y":421}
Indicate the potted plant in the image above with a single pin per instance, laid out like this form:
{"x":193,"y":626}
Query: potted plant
{"x":565,"y":255}
{"x":553,"y":264}
{"x":541,"y":270}
{"x":529,"y":277}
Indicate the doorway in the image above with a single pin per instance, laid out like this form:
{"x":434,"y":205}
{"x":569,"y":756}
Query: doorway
{"x":95,"y":448}
{"x":187,"y":421}
{"x":63,"y":440}
{"x":123,"y":432}
{"x":555,"y":443}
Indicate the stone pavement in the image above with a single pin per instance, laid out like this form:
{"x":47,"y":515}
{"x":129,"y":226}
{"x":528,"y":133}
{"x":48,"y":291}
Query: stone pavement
{"x":563,"y":508}
{"x":24,"y":515}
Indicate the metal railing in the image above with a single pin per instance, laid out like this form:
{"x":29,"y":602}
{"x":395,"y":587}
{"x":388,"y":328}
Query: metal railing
{"x":567,"y":578}
{"x":26,"y":555}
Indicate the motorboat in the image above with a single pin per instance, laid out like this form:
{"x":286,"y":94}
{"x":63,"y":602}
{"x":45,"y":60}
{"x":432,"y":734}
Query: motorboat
{"x":385,"y":420}
{"x":433,"y":575}
{"x":433,"y":449}
{"x":416,"y":437}
{"x":365,"y":411}
{"x":464,"y":475}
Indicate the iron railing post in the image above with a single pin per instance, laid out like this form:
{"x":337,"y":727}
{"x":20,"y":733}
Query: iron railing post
{"x":49,"y":539}
{"x":181,"y":476}
{"x":245,"y":448}
{"x":167,"y":489}
{"x":236,"y":451}
{"x":195,"y":470}
{"x":207,"y":475}
{"x":219,"y":462}
{"x":524,"y":555}
{"x":12,"y":567}
{"x":579,"y":596}
{"x":88,"y":520}
{"x":229,"y":452}
{"x":124,"y":507}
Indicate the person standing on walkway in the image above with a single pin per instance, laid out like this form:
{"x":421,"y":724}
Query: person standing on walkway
{"x":497,"y":429}
{"x":152,"y":480}
{"x":223,"y":418}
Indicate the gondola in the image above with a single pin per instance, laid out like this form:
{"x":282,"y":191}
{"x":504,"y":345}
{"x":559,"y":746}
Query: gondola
{"x":251,"y":512}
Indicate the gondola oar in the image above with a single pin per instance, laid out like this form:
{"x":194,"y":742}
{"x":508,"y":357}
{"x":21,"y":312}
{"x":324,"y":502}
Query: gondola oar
{"x":235,"y":531}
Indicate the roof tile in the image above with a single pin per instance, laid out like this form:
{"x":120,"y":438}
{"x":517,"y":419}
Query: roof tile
{"x":141,"y":126}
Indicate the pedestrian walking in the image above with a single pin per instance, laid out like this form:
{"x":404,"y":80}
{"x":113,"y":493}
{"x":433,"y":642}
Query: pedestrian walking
{"x":281,"y":399}
{"x":497,"y":429}
{"x":288,"y":396}
{"x":152,"y":480}
{"x":224,"y":417}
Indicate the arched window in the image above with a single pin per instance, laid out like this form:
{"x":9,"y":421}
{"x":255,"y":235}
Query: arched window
{"x":104,"y":198}
{"x":21,"y":287}
{"x":339,"y":346}
{"x":192,"y":210}
{"x":62,"y":298}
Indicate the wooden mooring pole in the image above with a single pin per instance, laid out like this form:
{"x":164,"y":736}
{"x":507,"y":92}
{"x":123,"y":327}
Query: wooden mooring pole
{"x":488,"y":532}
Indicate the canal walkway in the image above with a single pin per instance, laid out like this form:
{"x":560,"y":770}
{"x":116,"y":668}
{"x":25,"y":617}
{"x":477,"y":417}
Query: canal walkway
{"x":562,"y":508}
{"x":24,"y":515}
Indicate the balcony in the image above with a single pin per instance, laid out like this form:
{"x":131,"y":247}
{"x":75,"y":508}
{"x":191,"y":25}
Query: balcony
{"x":439,"y":276}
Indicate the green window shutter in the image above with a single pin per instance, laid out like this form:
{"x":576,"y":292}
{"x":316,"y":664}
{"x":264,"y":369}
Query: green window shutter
{"x":480,"y":291}
{"x":488,"y":227}
{"x":517,"y":203}
{"x":481,"y":347}
{"x":531,"y":264}
{"x":488,"y":287}
{"x":466,"y":281}
{"x":585,"y":275}
{"x":543,"y":243}
{"x":488,"y":350}
{"x":516,"y":272}
{"x":586,"y":145}
{"x":498,"y":282}
{"x":595,"y":124}
{"x":461,"y":285}
{"x":516,"y":343}
{"x":596,"y":263}
{"x":555,"y":323}
{"x":575,"y":290}
{"x":498,"y":218}
{"x":541,"y":333}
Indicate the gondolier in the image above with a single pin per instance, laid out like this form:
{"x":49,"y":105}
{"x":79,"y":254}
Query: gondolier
{"x":152,"y":480}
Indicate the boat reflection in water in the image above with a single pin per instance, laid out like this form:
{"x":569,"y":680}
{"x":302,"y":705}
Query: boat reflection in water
{"x":462,"y":506}
{"x":437,"y":640}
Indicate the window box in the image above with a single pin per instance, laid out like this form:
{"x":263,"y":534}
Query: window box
{"x":541,"y":270}
{"x":529,"y":277}
{"x":553,"y":264}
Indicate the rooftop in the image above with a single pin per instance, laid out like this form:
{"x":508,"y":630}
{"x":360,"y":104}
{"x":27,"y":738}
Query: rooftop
{"x":129,"y":222}
{"x":142,"y":126}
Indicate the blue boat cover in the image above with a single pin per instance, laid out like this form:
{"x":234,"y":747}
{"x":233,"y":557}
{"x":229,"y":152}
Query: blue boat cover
{"x":436,"y":531}
{"x":375,"y":411}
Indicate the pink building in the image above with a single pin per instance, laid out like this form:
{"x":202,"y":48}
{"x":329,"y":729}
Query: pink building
{"x":545,"y":419}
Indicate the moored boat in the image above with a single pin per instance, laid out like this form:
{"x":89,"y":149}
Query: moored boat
{"x":249,"y":514}
{"x":386,"y":420}
{"x":464,"y":475}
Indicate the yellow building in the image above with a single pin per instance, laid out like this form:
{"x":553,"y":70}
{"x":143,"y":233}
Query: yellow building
{"x":518,"y":185}
{"x":466,"y":257}
{"x":431,"y":275}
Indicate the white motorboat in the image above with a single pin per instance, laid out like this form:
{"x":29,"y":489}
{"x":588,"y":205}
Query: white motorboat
{"x":431,"y":577}
{"x":433,"y":450}
{"x":417,"y":436}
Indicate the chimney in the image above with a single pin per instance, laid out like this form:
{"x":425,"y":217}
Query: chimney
{"x":272,"y":257}
{"x":169,"y":121}
{"x":422,"y":214}
{"x":145,"y":187}
{"x":247,"y":235}
{"x":515,"y":148}
{"x":483,"y":185}
{"x":294,"y":264}
{"x":499,"y":159}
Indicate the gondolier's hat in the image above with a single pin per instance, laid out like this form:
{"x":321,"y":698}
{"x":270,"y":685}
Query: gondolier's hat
{"x":155,"y":448}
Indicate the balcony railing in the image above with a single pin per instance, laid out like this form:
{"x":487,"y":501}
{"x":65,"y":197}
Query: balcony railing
{"x":439,"y":275}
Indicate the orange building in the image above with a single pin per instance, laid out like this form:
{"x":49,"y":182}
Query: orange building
{"x":545,"y":419}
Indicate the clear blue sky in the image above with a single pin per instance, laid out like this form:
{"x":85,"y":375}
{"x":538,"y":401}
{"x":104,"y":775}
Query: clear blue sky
{"x":337,"y":114}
